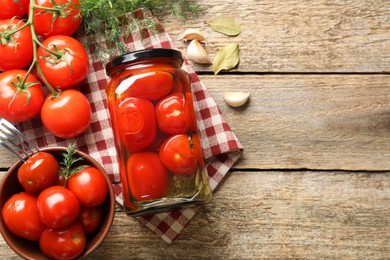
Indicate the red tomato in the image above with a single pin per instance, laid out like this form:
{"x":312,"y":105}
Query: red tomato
{"x":136,"y":123}
{"x":178,"y":156}
{"x":147,"y":177}
{"x":66,"y":115}
{"x":57,"y":207}
{"x":19,"y":103}
{"x":64,"y":22}
{"x":152,"y":85}
{"x":12,"y":8}
{"x":64,"y":243}
{"x":170,"y":115}
{"x":20,"y":215}
{"x":38,"y":172}
{"x":68,"y":67}
{"x":90,"y":218}
{"x":89,"y":185}
{"x":16,"y":50}
{"x":61,"y":181}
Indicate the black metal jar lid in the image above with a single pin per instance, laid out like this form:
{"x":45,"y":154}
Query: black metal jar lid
{"x":143,"y":54}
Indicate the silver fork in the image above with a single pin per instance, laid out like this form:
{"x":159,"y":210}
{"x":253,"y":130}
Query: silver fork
{"x":14,"y":141}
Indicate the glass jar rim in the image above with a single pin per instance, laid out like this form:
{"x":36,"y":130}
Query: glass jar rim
{"x":143,"y":54}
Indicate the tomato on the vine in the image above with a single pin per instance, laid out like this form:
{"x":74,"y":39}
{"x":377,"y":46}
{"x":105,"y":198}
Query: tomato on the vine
{"x":178,"y":156}
{"x":63,"y":243}
{"x":16,"y":49}
{"x":136,"y":122}
{"x":66,"y":65}
{"x":170,"y":115}
{"x":38,"y":172}
{"x":90,"y":218}
{"x":148,"y":179}
{"x":13,"y":8}
{"x":19,"y":102}
{"x":64,"y":21}
{"x":57,"y":206}
{"x":20,"y":215}
{"x":89,"y":185}
{"x":66,"y":115}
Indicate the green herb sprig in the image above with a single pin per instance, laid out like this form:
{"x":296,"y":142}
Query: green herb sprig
{"x":69,"y":164}
{"x":106,"y":16}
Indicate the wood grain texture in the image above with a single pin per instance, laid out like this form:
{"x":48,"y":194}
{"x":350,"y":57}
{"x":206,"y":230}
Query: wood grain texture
{"x":316,"y":133}
{"x":306,"y":121}
{"x":270,"y":215}
{"x":299,"y":36}
{"x":309,"y":121}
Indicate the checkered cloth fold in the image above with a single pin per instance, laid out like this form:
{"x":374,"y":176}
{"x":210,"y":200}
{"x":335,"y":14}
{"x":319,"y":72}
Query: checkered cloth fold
{"x":221,"y":147}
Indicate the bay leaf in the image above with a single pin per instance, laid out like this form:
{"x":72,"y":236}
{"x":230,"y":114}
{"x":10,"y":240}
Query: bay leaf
{"x":225,"y":24}
{"x":226,"y":58}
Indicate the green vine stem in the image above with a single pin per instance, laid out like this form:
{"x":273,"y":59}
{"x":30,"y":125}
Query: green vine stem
{"x":99,"y":16}
{"x":37,"y":43}
{"x":7,"y":35}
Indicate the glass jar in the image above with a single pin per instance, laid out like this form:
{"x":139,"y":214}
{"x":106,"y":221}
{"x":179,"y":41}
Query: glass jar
{"x":156,"y":135}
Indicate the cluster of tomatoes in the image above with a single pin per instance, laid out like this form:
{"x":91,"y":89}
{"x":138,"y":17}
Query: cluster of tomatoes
{"x":58,"y":212}
{"x":36,"y":49}
{"x":155,"y":123}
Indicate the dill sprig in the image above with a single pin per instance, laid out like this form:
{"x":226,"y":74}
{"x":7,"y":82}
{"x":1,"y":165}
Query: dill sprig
{"x":106,"y":16}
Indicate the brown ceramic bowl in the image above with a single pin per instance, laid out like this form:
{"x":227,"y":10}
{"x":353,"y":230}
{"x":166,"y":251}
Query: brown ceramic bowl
{"x":30,"y":250}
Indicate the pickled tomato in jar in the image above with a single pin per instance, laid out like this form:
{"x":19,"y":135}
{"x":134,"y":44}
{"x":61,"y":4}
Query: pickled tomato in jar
{"x":155,"y":129}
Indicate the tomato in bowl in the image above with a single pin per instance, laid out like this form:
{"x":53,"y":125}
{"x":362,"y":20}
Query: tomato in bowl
{"x":10,"y":186}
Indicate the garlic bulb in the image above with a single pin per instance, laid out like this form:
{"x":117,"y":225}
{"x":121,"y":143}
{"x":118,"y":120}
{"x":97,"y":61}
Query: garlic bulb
{"x":197,"y":53}
{"x":236,"y":99}
{"x":193,"y":34}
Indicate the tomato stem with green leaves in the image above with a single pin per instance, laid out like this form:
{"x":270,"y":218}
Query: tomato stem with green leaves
{"x":6,"y":36}
{"x":22,"y":86}
{"x":35,"y":43}
{"x":54,"y":9}
{"x":58,"y":9}
{"x":30,"y":23}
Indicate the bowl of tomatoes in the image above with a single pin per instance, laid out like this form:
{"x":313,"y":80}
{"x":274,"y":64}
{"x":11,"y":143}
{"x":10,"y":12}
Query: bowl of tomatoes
{"x":56,"y":204}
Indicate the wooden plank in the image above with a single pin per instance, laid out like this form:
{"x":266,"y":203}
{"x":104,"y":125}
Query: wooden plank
{"x":273,"y":215}
{"x":6,"y":158}
{"x":310,"y":121}
{"x":293,"y":121}
{"x":306,"y":121}
{"x":299,"y":36}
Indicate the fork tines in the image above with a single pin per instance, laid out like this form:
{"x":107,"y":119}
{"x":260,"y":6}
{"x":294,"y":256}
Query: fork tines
{"x":14,"y":141}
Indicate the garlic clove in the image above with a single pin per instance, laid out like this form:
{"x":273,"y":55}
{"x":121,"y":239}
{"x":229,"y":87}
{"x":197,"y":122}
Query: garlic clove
{"x":193,"y":34}
{"x":236,"y":99}
{"x":197,"y":53}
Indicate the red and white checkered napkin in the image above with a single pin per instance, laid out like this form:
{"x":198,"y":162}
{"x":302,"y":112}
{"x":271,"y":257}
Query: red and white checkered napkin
{"x":221,"y":147}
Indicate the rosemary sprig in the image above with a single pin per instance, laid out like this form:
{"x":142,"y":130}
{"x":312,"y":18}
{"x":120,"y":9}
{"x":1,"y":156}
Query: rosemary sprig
{"x":69,"y":163}
{"x":106,"y":16}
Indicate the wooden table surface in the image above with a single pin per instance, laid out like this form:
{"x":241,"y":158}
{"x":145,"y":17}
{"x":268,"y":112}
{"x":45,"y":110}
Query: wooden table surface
{"x":314,"y":179}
